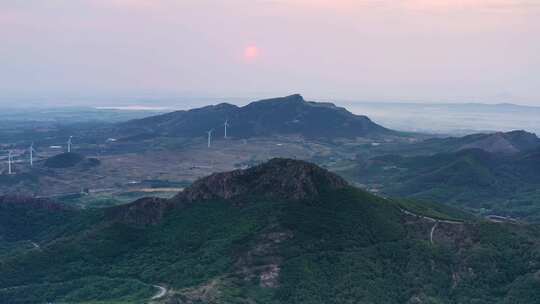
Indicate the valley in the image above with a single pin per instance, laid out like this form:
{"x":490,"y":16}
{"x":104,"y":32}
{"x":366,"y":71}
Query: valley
{"x":134,"y":158}
{"x":122,"y":176}
{"x":118,"y":162}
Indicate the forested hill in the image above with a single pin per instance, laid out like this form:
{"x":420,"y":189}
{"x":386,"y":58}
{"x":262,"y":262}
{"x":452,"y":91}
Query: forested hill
{"x":492,"y":183}
{"x":303,"y":236}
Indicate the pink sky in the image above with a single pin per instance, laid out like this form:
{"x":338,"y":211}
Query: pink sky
{"x":410,"y":50}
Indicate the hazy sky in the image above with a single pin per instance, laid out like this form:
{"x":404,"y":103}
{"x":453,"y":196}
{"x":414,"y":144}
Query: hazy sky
{"x":376,"y":50}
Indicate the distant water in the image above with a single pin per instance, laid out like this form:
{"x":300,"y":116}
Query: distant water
{"x":457,"y":119}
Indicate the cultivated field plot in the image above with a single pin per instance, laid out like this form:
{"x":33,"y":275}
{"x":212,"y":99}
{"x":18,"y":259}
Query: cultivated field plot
{"x":123,"y":175}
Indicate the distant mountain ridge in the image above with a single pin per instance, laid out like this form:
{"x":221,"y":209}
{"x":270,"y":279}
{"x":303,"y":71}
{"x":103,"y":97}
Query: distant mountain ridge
{"x":512,"y":142}
{"x":277,"y":116}
{"x":500,"y":142}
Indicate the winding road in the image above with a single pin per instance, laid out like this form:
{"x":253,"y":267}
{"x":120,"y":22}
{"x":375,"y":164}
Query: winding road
{"x":435,"y":221}
{"x":430,"y":218}
{"x":161,"y":293}
{"x":433,"y":231}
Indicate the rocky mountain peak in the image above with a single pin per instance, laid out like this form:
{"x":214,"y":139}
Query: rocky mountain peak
{"x":278,"y":178}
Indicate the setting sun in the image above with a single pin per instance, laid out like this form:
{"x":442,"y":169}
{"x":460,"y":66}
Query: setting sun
{"x":251,"y":53}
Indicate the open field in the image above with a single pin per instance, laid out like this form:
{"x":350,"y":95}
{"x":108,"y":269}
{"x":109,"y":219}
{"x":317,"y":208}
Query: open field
{"x":162,"y":167}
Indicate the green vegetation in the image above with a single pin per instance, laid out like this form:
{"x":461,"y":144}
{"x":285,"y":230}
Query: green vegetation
{"x":24,"y":178}
{"x":434,"y":210}
{"x":96,"y":290}
{"x":104,"y":200}
{"x":479,"y":181}
{"x":345,"y":246}
{"x":64,"y":160}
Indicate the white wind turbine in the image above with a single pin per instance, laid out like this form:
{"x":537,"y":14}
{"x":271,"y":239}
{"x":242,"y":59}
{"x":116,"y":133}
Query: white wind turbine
{"x":209,"y":132}
{"x":10,"y":160}
{"x":69,"y":144}
{"x":32,"y":150}
{"x":226,"y":124}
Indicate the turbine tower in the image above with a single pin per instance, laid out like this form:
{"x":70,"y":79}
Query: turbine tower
{"x":10,"y":160}
{"x":69,"y":144}
{"x":31,"y":149}
{"x":209,"y":137}
{"x":226,"y":124}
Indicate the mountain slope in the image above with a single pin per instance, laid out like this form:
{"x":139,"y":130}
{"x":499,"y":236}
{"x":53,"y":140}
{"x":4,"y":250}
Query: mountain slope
{"x":504,"y":184}
{"x":278,"y":116}
{"x":222,"y":243}
{"x":499,"y":142}
{"x":506,"y":143}
{"x":24,"y":218}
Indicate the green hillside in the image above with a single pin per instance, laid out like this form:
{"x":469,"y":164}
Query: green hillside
{"x":474,"y":179}
{"x":324,"y":242}
{"x":507,"y":143}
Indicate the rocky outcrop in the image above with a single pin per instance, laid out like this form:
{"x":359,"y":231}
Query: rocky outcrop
{"x":284,"y":179}
{"x":278,"y":178}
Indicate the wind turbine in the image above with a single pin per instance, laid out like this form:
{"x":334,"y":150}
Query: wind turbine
{"x":226,"y":124}
{"x":209,"y":137}
{"x":69,"y":144}
{"x":31,"y":149}
{"x":10,"y":160}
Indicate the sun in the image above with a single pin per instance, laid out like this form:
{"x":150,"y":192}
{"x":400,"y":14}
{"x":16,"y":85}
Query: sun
{"x":251,"y":53}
